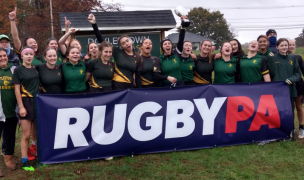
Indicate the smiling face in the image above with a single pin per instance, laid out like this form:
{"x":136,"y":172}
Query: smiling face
{"x":146,"y":47}
{"x":53,"y":44}
{"x":283,"y":47}
{"x":263,"y":43}
{"x":51,"y":57}
{"x":4,"y":43}
{"x":75,"y":44}
{"x":3,"y":59}
{"x":106,"y":53}
{"x":206,"y":47}
{"x":28,"y":57}
{"x":234,"y":46}
{"x":187,"y":48}
{"x":74,"y":55}
{"x":167,"y":47}
{"x":126,"y":44}
{"x":32,"y":43}
{"x":292,"y":46}
{"x":253,"y":46}
{"x":93,"y":50}
{"x":226,"y":49}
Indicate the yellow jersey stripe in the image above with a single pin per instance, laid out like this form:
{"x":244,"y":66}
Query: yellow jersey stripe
{"x":198,"y":79}
{"x":265,"y":72}
{"x":119,"y":77}
{"x":94,"y":84}
{"x":145,"y":81}
{"x":24,"y":92}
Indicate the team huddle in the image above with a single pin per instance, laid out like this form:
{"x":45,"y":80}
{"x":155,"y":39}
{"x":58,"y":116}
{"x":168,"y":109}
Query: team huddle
{"x":63,"y":69}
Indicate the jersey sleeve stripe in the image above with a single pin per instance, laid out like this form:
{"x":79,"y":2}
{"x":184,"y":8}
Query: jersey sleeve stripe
{"x":265,"y":72}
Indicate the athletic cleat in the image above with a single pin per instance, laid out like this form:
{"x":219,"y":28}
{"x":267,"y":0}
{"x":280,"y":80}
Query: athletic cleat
{"x":108,"y":158}
{"x":301,"y":134}
{"x":27,"y":167}
{"x":30,"y":155}
{"x":33,"y":149}
{"x":3,"y":152}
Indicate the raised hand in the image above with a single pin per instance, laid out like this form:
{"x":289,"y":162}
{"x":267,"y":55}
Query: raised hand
{"x":67,"y":22}
{"x":91,"y":19}
{"x":71,"y":31}
{"x":183,"y":17}
{"x":12,"y":15}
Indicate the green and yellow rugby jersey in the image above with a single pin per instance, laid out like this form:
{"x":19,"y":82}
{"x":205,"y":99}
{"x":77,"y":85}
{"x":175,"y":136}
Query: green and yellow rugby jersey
{"x":74,"y":76}
{"x":102,"y":74}
{"x":269,"y":52}
{"x":28,"y":78}
{"x":203,"y":70}
{"x":224,"y":71}
{"x":125,"y":65}
{"x":252,"y":69}
{"x":147,"y":67}
{"x":50,"y":79}
{"x":171,"y":66}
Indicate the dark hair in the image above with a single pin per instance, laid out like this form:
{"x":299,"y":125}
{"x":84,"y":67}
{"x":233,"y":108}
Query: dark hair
{"x":48,"y":49}
{"x":187,"y":41}
{"x":144,"y":41}
{"x":51,"y":39}
{"x":25,"y":43}
{"x":1,"y":49}
{"x":209,"y":53}
{"x":281,"y":40}
{"x":103,"y":45}
{"x":69,"y":50}
{"x":88,"y":48}
{"x":262,"y":36}
{"x":122,"y":36}
{"x":239,"y":53}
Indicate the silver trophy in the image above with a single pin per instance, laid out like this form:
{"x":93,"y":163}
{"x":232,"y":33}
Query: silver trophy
{"x":179,"y":11}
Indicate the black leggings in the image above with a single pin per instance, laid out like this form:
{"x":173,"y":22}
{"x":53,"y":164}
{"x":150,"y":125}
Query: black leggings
{"x":9,"y":134}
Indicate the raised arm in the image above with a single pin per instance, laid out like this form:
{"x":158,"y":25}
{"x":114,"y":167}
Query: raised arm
{"x":181,"y":38}
{"x":92,"y":20}
{"x":62,"y":40}
{"x":67,"y":28}
{"x":12,"y":16}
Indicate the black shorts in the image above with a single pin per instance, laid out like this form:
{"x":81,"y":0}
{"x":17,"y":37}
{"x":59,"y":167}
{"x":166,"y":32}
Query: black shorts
{"x":300,"y":87}
{"x":120,"y":85}
{"x":97,"y":90}
{"x":28,"y":103}
{"x":190,"y":83}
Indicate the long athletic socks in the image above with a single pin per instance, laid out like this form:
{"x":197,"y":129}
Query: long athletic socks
{"x":24,"y":159}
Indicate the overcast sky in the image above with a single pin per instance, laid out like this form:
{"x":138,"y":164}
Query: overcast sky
{"x":261,"y":14}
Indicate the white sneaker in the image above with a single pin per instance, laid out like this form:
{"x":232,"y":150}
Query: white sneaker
{"x":301,"y":134}
{"x":109,"y":158}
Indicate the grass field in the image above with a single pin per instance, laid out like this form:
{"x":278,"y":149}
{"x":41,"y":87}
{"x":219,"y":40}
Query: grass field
{"x":277,"y":160}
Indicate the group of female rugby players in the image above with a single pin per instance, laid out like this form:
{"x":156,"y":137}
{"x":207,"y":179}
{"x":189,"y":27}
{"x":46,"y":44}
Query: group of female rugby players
{"x":63,"y":69}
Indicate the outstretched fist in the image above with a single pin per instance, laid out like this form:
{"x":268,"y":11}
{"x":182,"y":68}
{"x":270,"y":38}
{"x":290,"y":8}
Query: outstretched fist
{"x":91,"y":19}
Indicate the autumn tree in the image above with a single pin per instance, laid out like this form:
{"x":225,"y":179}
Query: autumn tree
{"x":33,"y":16}
{"x":210,"y":24}
{"x":300,"y":39}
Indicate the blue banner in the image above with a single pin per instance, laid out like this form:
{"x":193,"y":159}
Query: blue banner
{"x":93,"y":126}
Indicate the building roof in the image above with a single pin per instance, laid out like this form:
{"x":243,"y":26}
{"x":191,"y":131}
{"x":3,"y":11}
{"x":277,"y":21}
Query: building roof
{"x":122,"y":20}
{"x":188,"y":37}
